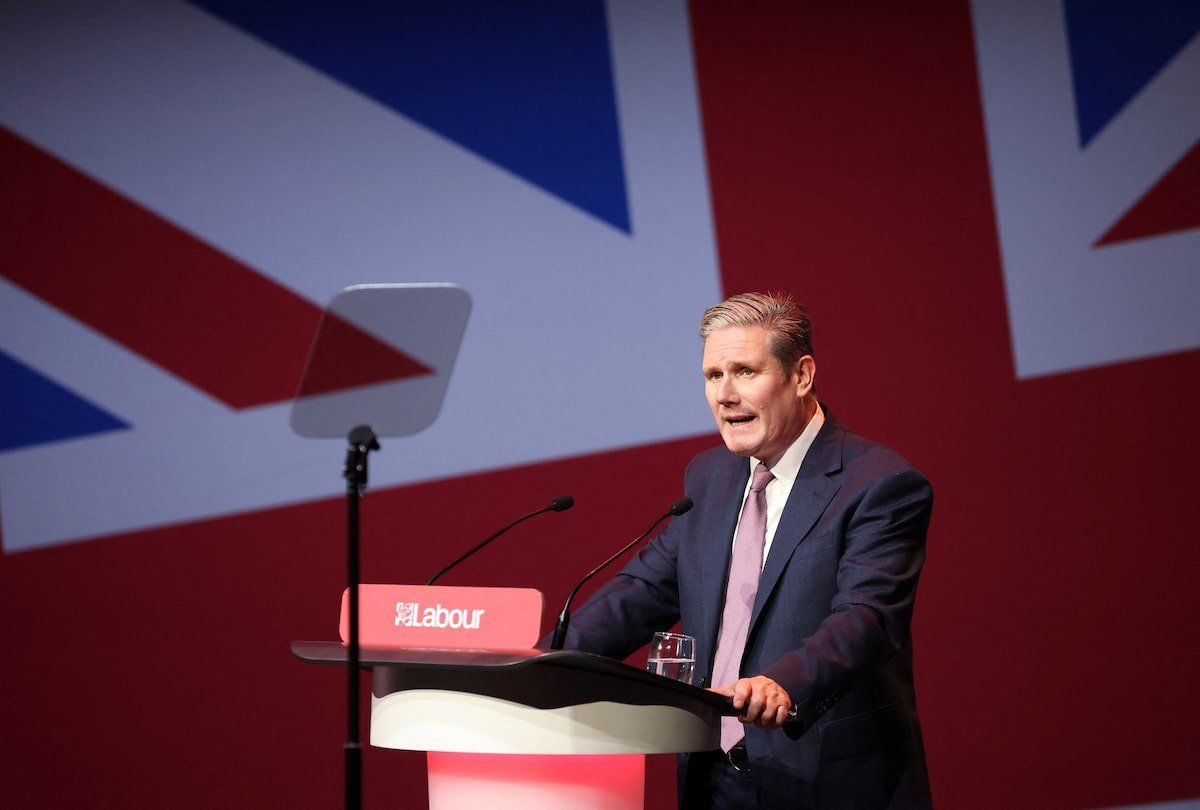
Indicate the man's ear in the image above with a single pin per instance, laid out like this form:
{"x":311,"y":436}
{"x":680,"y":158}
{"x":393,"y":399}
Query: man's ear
{"x":806,"y":375}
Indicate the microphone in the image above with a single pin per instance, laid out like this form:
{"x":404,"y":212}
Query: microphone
{"x":564,"y":619}
{"x":560,"y":504}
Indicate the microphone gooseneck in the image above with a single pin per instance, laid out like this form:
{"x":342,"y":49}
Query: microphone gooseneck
{"x":680,"y":507}
{"x":560,"y":504}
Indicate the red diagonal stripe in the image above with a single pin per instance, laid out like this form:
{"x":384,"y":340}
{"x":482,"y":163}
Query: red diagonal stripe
{"x":344,"y":357}
{"x":163,"y":293}
{"x":1172,"y":204}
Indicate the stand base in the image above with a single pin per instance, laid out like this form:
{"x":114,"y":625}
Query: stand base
{"x":536,"y":781}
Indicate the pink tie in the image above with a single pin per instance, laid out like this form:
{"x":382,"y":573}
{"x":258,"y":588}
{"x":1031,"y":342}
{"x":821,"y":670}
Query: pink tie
{"x":744,"y":571}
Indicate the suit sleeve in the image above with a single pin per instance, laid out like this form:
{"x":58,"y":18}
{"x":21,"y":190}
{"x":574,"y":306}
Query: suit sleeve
{"x":876,"y":586}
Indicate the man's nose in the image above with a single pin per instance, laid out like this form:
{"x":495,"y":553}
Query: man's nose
{"x":726,"y":392}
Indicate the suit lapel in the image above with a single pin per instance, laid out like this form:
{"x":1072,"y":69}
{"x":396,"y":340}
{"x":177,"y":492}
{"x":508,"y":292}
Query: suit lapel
{"x":714,"y":557}
{"x":816,"y":484}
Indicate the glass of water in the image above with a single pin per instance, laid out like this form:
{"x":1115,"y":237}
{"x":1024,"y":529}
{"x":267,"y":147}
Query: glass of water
{"x":672,"y":655}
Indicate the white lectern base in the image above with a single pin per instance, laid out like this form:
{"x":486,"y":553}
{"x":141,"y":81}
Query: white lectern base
{"x":536,"y":781}
{"x":437,"y":720}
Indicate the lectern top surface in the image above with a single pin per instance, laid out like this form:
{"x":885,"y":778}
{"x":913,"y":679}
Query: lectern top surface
{"x":512,"y":661}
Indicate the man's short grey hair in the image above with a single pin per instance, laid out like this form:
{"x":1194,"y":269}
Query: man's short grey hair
{"x":789,"y":330}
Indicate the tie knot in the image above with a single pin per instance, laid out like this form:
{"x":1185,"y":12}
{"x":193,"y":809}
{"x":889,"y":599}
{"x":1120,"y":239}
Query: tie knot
{"x":762,"y":477}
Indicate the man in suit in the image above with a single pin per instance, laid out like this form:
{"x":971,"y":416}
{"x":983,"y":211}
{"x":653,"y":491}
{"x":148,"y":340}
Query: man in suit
{"x":796,"y":572}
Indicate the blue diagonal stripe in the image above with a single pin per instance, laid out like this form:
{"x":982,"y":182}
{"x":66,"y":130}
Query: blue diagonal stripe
{"x":1117,"y":47}
{"x":526,"y":85}
{"x":35,"y":409}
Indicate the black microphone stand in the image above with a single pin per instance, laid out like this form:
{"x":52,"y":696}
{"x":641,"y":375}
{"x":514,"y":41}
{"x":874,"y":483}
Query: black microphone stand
{"x":559,"y":504}
{"x":564,"y":618}
{"x":362,"y":441}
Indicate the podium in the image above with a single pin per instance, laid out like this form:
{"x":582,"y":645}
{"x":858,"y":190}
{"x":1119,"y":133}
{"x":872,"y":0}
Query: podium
{"x":529,"y":729}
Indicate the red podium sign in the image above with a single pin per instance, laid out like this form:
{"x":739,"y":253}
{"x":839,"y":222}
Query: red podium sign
{"x":448,"y":618}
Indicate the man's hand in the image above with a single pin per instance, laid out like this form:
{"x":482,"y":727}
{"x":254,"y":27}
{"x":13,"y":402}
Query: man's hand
{"x":760,"y":700}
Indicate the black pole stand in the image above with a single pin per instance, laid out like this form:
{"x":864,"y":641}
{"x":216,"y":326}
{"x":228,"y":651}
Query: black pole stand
{"x":362,"y":441}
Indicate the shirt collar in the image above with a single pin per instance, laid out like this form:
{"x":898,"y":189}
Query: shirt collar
{"x":788,"y":465}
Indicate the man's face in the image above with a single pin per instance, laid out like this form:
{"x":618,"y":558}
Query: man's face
{"x":760,"y":409}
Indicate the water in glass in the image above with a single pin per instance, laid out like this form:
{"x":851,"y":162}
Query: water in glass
{"x":672,"y":655}
{"x":677,"y":669}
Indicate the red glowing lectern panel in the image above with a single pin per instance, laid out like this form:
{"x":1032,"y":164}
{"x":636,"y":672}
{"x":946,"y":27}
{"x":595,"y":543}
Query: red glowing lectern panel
{"x":537,"y":781}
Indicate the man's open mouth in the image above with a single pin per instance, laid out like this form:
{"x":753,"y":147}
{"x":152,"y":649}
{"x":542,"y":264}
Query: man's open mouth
{"x":739,"y":420}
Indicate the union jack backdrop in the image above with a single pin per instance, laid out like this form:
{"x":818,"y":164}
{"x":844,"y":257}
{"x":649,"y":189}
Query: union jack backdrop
{"x":992,"y":210}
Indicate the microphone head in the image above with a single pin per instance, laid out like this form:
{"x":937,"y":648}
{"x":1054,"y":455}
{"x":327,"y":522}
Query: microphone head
{"x":562,"y":503}
{"x":680,"y":506}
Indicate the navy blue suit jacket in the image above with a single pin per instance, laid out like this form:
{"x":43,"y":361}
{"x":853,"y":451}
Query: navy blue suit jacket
{"x":830,"y":623}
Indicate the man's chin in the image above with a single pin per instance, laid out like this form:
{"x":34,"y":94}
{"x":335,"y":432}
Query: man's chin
{"x":740,"y":447}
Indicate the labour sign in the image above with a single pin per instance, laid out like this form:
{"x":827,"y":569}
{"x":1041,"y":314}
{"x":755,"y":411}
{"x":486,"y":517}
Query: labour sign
{"x":434,"y":616}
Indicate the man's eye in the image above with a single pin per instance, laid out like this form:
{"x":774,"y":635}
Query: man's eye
{"x":746,"y":372}
{"x":714,"y":375}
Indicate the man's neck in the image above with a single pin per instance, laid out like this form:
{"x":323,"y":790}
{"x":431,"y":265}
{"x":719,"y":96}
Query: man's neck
{"x":810,"y":407}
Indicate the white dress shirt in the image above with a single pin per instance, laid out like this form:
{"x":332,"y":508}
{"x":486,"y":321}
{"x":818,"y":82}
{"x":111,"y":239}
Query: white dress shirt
{"x":785,"y":471}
